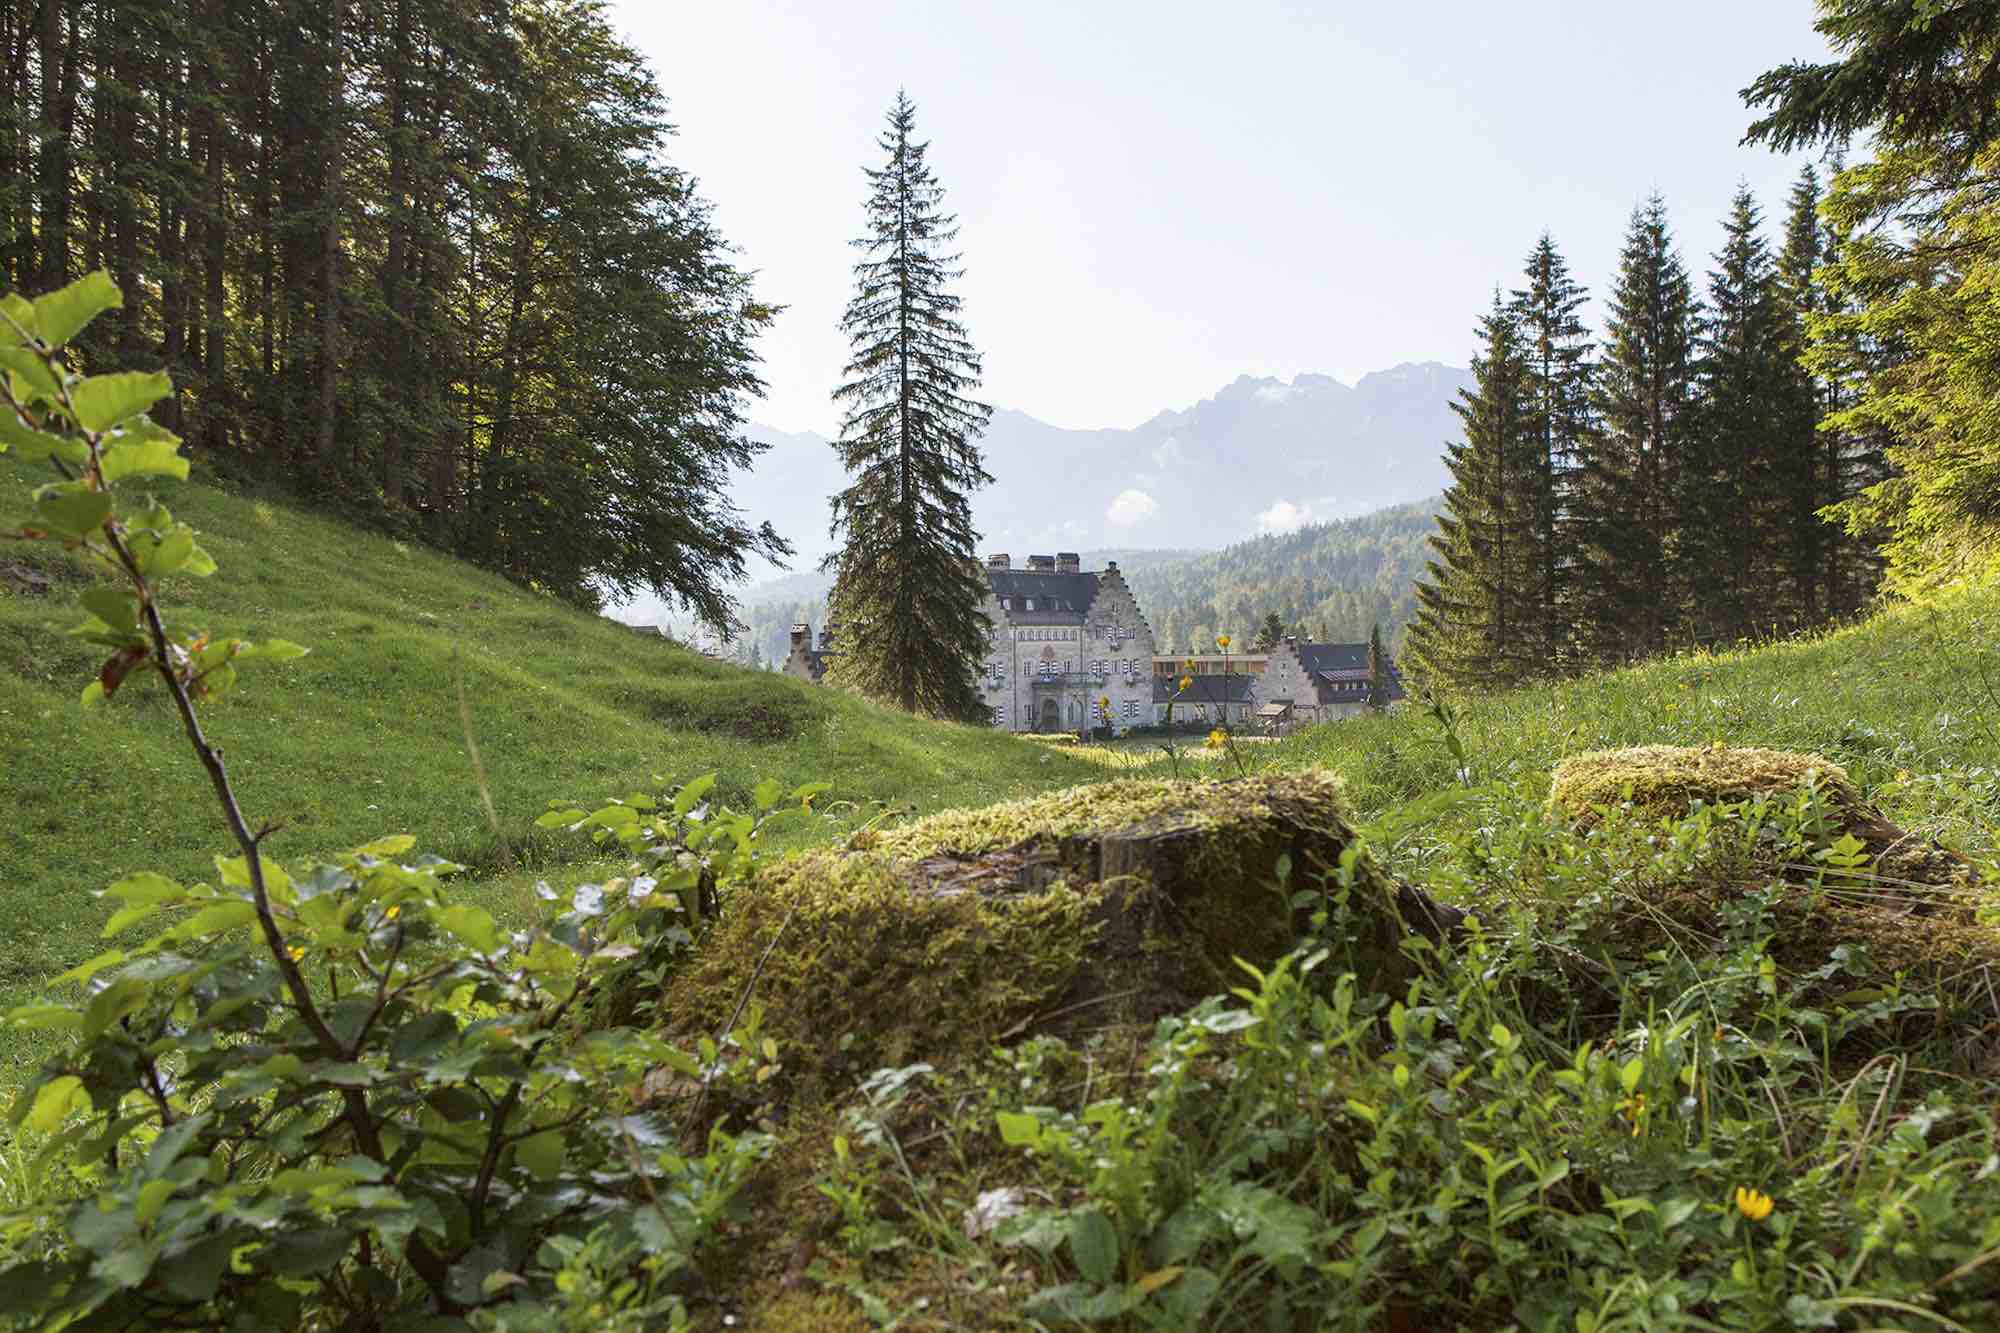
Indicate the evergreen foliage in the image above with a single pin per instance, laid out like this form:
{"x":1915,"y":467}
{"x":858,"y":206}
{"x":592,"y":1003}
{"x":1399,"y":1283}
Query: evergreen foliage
{"x":427,"y":262}
{"x":1480,"y":604}
{"x":1735,"y":529}
{"x":1559,"y":351}
{"x":1630,"y":489}
{"x":907,"y":581}
{"x":1906,"y":338}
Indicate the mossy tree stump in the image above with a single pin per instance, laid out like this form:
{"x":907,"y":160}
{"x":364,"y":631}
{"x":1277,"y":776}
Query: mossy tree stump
{"x":1102,"y":905}
{"x":1913,"y":905}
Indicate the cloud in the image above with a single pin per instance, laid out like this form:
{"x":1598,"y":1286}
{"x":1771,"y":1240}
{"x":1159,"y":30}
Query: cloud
{"x":1284,"y":516}
{"x":1131,"y":507}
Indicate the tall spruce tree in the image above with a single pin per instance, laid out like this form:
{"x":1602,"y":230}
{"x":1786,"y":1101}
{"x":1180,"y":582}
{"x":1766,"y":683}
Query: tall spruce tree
{"x":1627,"y":499}
{"x":1736,"y":536}
{"x":1558,"y":350}
{"x":1476,"y":604}
{"x":907,"y":584}
{"x":1815,"y":477}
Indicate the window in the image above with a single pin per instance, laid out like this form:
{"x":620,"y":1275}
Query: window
{"x":1000,"y":716}
{"x":1031,"y":604}
{"x":1131,"y":710}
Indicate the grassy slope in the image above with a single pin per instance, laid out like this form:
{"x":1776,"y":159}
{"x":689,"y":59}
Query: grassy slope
{"x":1907,"y":701}
{"x":365,"y":736}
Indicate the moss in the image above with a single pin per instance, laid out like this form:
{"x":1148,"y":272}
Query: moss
{"x":1664,"y":781}
{"x":1915,"y":906}
{"x":1109,"y":903}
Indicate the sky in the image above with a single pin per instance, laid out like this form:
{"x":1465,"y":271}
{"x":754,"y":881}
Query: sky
{"x":1157,"y":197}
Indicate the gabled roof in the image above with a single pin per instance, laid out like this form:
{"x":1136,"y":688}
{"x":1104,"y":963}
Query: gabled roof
{"x":1060,"y":599}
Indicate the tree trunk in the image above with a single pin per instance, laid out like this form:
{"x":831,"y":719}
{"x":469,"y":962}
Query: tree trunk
{"x":215,"y":224}
{"x":329,"y":311}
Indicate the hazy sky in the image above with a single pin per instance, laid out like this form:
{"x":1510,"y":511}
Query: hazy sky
{"x":1157,"y":197}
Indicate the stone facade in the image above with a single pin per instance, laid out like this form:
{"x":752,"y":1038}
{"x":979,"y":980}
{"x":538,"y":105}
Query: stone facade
{"x":1063,"y":640}
{"x":1323,"y":681}
{"x":806,"y":662}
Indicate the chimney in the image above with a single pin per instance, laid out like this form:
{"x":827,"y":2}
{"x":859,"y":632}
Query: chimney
{"x":801,"y":637}
{"x":1000,"y":560}
{"x":1068,"y":562}
{"x":1042,"y":564}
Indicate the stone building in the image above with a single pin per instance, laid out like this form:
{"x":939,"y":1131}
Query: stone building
{"x":1318,"y":682}
{"x":1211,"y":700}
{"x":1063,"y":641}
{"x":805,"y":661}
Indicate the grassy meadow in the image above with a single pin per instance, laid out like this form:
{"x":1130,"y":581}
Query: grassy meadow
{"x":367,"y":736}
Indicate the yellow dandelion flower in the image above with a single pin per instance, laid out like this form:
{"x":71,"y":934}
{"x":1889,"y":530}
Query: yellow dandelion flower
{"x":297,"y":952}
{"x":1753,"y":1204}
{"x":1217,"y":739}
{"x":392,"y":914}
{"x":1187,"y":683}
{"x":1222,"y":642}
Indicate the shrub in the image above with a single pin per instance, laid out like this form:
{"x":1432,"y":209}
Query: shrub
{"x":331,"y":1096}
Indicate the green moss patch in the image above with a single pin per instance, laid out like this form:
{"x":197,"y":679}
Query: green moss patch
{"x":1912,"y":904}
{"x":1087,"y":908}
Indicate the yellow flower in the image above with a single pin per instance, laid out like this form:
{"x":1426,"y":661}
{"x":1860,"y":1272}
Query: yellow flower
{"x":1217,"y":739}
{"x":1222,"y":642}
{"x":392,"y":914}
{"x":1753,"y":1204}
{"x":1633,"y":1108}
{"x":298,"y":951}
{"x":1187,"y":683}
{"x":1104,"y":703}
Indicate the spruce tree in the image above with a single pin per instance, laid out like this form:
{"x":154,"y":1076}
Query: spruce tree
{"x":1558,"y":349}
{"x":1627,"y":498}
{"x":907,"y":584}
{"x":1735,"y":532}
{"x":1476,"y":604}
{"x":1813,"y":478}
{"x":1378,"y":670}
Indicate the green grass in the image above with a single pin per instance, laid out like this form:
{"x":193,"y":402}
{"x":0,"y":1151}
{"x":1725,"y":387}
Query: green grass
{"x":365,"y":736}
{"x":1906,"y":701}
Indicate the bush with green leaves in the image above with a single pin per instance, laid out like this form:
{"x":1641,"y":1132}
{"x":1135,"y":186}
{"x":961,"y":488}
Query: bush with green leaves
{"x":330,"y":1096}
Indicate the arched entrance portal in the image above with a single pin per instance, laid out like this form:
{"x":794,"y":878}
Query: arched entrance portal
{"x":1051,"y":716}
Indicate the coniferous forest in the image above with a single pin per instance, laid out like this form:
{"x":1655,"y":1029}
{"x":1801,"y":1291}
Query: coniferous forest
{"x":428,"y":262}
{"x":1670,"y":485}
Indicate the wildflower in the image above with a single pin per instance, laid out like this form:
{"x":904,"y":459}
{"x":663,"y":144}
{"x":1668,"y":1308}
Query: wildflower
{"x":1217,"y":739}
{"x":297,"y":951}
{"x":1753,"y":1204}
{"x":392,"y":913}
{"x":1222,"y":642}
{"x":1187,"y":683}
{"x":1633,"y":1108}
{"x":1902,"y":775}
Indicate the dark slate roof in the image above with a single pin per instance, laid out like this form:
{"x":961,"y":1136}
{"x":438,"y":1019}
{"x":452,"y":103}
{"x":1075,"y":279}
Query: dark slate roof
{"x":1345,"y":663}
{"x":1060,"y":599}
{"x":1206,"y":689}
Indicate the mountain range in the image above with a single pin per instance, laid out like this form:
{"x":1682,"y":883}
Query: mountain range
{"x":1259,"y":456}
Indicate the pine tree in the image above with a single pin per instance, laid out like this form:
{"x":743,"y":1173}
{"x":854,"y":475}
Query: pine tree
{"x":1812,"y":478}
{"x":1476,"y":604}
{"x":1627,"y":497}
{"x":1271,"y":632}
{"x":907,"y":584}
{"x":1558,"y":349}
{"x":1735,"y":533}
{"x":1378,"y":670}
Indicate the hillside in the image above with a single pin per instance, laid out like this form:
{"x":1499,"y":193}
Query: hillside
{"x":1335,"y":579}
{"x":364,"y":736}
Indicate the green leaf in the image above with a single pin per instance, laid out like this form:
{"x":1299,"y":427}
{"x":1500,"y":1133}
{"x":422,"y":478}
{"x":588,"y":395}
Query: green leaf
{"x":35,"y":446}
{"x":32,"y":381}
{"x":541,"y":1155}
{"x":143,"y":458}
{"x":767,"y":792}
{"x":1093,"y":1243}
{"x":688,"y":797}
{"x":71,"y":509}
{"x":114,"y":607}
{"x":62,"y":314}
{"x":54,"y":1101}
{"x":153,"y":1196}
{"x":1018,"y":1130}
{"x":167,"y":555}
{"x":383,"y":849}
{"x":102,"y":401}
{"x":472,"y":924}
